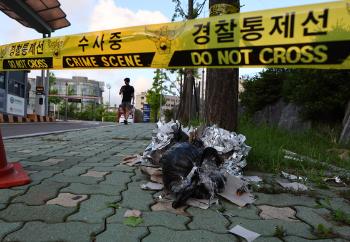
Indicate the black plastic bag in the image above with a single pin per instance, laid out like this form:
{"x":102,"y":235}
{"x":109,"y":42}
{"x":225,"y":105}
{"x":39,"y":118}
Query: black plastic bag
{"x":191,"y":171}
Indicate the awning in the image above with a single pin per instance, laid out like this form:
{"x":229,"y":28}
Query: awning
{"x":45,"y":16}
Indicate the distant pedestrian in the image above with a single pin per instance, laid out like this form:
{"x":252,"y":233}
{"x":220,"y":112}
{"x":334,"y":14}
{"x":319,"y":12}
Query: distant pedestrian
{"x":128,"y":98}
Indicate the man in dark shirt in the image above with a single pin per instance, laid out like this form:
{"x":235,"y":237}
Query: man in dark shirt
{"x":128,"y":94}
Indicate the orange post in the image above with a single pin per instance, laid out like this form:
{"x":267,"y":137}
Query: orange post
{"x":11,"y":174}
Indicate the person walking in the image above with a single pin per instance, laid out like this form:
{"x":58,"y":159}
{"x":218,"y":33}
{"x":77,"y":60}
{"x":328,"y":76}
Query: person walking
{"x":127,"y":91}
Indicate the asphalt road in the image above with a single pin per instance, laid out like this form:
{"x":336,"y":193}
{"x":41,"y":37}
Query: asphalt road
{"x":34,"y":129}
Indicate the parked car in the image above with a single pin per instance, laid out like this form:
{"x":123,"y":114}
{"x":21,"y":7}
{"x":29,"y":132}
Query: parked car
{"x":121,"y":117}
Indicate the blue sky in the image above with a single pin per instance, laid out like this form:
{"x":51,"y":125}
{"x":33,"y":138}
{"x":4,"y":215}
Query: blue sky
{"x":91,"y":15}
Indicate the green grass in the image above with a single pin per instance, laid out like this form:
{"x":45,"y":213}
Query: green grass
{"x":269,"y":142}
{"x":340,"y":216}
{"x":324,"y":232}
{"x":280,"y":232}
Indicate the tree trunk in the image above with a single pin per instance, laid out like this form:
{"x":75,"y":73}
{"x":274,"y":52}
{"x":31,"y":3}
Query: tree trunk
{"x":221,"y":104}
{"x":186,"y":111}
{"x":345,"y":134}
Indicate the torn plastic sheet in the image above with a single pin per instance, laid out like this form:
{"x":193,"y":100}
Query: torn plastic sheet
{"x":245,"y":233}
{"x":229,"y":145}
{"x":162,"y":137}
{"x":152,"y":186}
{"x":225,"y":143}
{"x":293,"y":186}
{"x":252,"y":179}
{"x":201,"y":203}
{"x":236,"y":191}
{"x":292,"y":177}
{"x":335,"y":179}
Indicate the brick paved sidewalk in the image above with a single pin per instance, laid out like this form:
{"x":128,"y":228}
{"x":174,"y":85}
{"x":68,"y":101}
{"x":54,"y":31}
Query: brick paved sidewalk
{"x":80,"y":191}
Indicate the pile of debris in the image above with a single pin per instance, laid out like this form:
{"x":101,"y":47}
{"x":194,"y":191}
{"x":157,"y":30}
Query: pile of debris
{"x":195,"y":165}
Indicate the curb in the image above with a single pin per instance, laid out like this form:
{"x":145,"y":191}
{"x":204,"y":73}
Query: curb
{"x":30,"y":118}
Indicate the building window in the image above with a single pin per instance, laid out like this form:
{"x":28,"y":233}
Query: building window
{"x":2,"y":80}
{"x":16,"y":83}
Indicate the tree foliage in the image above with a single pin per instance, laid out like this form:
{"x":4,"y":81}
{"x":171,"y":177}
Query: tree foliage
{"x":263,"y":89}
{"x":181,"y":13}
{"x":321,"y":94}
{"x":153,"y":95}
{"x":53,"y":90}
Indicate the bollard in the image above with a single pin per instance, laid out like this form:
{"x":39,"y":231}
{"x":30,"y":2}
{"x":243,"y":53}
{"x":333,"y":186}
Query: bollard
{"x":11,"y":174}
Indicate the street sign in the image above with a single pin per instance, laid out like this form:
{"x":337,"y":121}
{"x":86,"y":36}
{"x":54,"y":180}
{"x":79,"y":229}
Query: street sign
{"x":74,"y":100}
{"x":307,"y":36}
{"x":146,"y":113}
{"x":40,"y":90}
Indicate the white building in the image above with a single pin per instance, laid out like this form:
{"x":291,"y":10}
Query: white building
{"x":170,"y":101}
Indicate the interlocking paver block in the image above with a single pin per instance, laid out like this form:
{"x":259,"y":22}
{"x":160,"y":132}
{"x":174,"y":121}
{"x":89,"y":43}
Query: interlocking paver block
{"x":42,"y":232}
{"x":76,"y":171}
{"x":118,"y":179}
{"x":25,"y":151}
{"x":52,"y":161}
{"x":93,"y":173}
{"x":19,"y":212}
{"x":284,"y":200}
{"x":298,"y":239}
{"x":155,"y":218}
{"x":314,"y":217}
{"x":267,"y":227}
{"x":76,"y":179}
{"x":41,"y":175}
{"x":164,"y":234}
{"x":267,"y":239}
{"x":78,"y":188}
{"x":121,"y":168}
{"x":7,"y":194}
{"x":136,"y":198}
{"x":37,"y":158}
{"x":67,"y":199}
{"x":6,"y":228}
{"x":95,"y":209}
{"x":270,"y":212}
{"x":39,"y":194}
{"x":98,"y":164}
{"x":122,"y":233}
{"x":232,"y":210}
{"x":336,"y":203}
{"x":208,"y":219}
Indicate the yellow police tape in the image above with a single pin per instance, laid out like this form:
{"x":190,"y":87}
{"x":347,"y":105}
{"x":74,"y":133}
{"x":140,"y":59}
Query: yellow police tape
{"x":312,"y":36}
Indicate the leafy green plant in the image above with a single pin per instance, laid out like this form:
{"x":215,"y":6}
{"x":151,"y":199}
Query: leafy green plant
{"x":113,"y":205}
{"x":340,"y":216}
{"x":133,"y":221}
{"x":323,"y":232}
{"x":280,"y":232}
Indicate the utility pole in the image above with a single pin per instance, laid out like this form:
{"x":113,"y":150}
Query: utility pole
{"x":221,"y":89}
{"x":66,"y":106}
{"x":109,"y":95}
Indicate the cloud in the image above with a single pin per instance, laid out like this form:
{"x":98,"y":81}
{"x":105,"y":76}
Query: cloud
{"x":107,"y":15}
{"x":102,"y":15}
